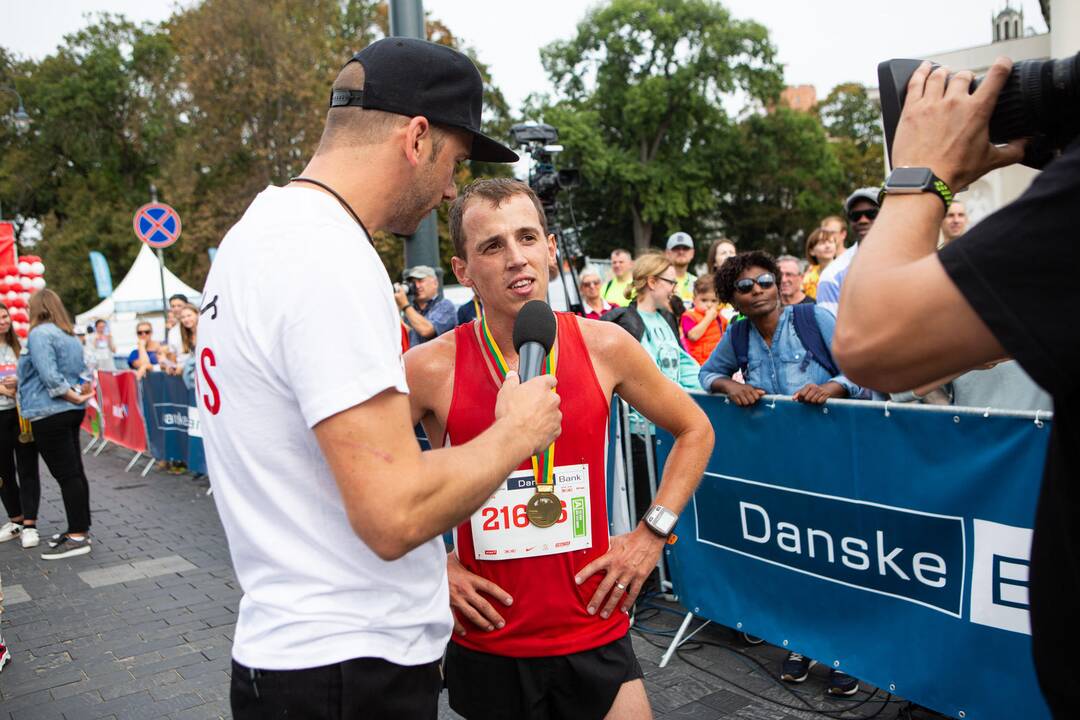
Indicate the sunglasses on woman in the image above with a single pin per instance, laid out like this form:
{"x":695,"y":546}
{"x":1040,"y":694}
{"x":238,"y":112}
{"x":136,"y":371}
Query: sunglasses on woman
{"x":763,"y":281}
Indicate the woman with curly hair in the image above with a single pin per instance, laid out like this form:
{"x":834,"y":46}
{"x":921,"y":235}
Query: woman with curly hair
{"x":781,"y":350}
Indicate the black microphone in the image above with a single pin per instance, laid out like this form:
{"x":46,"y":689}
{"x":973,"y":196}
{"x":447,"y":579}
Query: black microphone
{"x":534,"y":334}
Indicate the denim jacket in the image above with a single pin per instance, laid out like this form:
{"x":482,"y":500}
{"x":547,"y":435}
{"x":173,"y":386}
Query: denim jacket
{"x":781,"y":369}
{"x":48,"y":367}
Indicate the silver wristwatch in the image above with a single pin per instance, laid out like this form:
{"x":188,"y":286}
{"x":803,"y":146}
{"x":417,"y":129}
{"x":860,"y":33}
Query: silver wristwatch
{"x":660,"y":520}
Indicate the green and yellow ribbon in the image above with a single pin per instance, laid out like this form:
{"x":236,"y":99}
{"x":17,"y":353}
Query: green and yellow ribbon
{"x":543,"y":465}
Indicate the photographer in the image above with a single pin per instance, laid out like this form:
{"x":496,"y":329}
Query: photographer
{"x":427,"y":315}
{"x":911,"y":316}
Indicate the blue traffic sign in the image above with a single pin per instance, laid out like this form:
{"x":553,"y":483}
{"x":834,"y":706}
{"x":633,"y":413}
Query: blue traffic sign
{"x":157,"y":225}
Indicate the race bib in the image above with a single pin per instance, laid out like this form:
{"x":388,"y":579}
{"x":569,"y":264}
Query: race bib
{"x":501,"y":529}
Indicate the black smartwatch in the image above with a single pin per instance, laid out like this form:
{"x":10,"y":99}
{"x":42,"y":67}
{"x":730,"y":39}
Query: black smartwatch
{"x":660,"y":520}
{"x":912,"y":180}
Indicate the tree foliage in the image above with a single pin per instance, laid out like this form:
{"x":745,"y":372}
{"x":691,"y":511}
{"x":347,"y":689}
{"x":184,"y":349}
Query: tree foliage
{"x":785,"y":179}
{"x":853,"y":121}
{"x":211,"y":106}
{"x":640,"y":92}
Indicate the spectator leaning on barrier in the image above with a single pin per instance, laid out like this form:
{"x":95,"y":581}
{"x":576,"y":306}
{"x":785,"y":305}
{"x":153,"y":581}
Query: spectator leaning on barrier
{"x":703,"y":325}
{"x":592,"y":301}
{"x":791,"y":281}
{"x":820,"y":251}
{"x":52,"y":398}
{"x":172,"y":320}
{"x":861,"y":208}
{"x":429,"y":315}
{"x":622,"y":273}
{"x":20,"y":482}
{"x":149,"y":354}
{"x":680,"y":251}
{"x":780,"y":350}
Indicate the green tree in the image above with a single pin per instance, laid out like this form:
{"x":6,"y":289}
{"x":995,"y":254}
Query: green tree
{"x":853,"y":121}
{"x":641,"y":87}
{"x":785,"y":179}
{"x":99,"y":108}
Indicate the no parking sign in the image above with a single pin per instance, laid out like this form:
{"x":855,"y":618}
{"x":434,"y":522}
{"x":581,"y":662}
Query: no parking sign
{"x":157,"y":225}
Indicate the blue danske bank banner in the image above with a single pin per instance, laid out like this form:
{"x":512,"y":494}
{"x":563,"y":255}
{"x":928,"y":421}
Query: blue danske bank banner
{"x":172,"y":419}
{"x":893,"y":544}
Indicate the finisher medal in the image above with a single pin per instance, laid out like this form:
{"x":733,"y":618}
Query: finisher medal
{"x":544,"y":508}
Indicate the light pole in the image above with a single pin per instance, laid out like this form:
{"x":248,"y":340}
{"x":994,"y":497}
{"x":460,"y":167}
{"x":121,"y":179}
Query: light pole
{"x":421,"y":248}
{"x":20,"y":117}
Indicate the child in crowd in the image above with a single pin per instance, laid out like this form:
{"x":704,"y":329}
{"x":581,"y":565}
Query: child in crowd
{"x":703,"y":325}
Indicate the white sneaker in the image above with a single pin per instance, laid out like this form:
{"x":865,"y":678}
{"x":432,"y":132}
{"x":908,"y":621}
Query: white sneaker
{"x":10,"y":531}
{"x":30,"y":537}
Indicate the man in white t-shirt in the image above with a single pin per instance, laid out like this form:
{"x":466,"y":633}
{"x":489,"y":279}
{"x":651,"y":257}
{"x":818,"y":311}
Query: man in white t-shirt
{"x":331,"y":511}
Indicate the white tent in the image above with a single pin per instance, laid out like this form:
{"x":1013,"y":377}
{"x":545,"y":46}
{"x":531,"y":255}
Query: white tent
{"x":137,"y":297}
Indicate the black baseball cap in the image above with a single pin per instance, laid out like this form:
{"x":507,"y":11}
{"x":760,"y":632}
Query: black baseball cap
{"x":414,"y":77}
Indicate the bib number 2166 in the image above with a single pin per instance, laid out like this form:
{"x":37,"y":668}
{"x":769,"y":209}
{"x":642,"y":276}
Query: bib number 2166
{"x":501,"y":529}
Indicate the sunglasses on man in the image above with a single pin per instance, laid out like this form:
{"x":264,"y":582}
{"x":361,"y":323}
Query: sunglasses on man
{"x":857,"y":215}
{"x":143,"y":332}
{"x":763,"y":281}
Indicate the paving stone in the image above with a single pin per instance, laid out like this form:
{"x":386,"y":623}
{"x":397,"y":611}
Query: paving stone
{"x":142,"y":627}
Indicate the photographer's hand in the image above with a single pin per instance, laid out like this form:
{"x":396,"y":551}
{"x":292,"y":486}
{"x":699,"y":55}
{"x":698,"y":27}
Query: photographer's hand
{"x":946,"y":129}
{"x":400,"y":297}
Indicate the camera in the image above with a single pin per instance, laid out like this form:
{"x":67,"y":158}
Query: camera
{"x":409,"y":288}
{"x":538,"y":139}
{"x":1040,"y":100}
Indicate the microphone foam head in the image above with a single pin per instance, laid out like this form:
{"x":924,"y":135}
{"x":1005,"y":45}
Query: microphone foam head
{"x":535,"y":323}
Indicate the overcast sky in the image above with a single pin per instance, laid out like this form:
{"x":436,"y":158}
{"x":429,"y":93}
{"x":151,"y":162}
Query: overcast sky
{"x":822,"y":43}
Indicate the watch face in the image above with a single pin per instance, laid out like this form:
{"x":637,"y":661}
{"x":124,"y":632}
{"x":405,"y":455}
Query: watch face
{"x":662,"y":519}
{"x":909,"y":177}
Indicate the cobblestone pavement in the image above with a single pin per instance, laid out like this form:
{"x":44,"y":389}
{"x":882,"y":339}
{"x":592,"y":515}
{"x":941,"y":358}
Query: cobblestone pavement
{"x":142,"y":627}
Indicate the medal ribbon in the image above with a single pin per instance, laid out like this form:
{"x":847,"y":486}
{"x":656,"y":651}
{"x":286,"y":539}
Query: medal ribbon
{"x":543,"y":465}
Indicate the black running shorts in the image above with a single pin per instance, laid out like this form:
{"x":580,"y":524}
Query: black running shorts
{"x":578,"y":686}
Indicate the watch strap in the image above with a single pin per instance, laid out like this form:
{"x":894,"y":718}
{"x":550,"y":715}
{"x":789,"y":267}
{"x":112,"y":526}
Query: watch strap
{"x":935,"y":186}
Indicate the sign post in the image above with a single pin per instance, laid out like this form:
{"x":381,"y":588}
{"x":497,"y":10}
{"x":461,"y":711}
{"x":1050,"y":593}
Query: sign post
{"x":158,"y":225}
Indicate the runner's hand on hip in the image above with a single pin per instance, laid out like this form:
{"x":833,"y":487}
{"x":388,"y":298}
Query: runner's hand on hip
{"x":466,"y":600}
{"x":627,"y":563}
{"x":532,"y":408}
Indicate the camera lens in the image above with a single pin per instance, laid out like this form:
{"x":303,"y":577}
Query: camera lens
{"x":1040,"y":100}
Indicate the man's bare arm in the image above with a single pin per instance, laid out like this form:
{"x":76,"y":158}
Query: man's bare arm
{"x":398,"y":497}
{"x":902,"y":321}
{"x":641,"y":384}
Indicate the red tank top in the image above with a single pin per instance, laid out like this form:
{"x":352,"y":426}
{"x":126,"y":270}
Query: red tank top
{"x":549,"y":615}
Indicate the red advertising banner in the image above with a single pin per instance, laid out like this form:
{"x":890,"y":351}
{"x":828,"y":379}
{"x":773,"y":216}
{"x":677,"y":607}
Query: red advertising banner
{"x":121,"y":414}
{"x":7,"y":243}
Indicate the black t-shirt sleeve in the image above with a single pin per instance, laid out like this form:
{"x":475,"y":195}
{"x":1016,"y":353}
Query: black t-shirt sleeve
{"x":1017,"y":269}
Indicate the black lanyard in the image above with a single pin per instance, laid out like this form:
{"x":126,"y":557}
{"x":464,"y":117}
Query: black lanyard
{"x":337,"y":196}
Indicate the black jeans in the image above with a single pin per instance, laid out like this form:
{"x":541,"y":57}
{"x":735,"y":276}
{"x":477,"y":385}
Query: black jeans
{"x":22,"y":496}
{"x":57,"y":438}
{"x":360,"y":688}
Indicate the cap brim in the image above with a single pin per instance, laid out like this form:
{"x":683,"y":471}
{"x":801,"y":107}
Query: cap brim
{"x":484,"y":149}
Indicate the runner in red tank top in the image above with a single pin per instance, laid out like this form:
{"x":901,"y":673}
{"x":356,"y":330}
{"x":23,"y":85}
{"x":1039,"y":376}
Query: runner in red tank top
{"x":541,"y":627}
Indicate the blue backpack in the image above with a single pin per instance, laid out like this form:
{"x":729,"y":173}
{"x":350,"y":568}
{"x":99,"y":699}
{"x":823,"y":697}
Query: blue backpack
{"x":806,"y":328}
